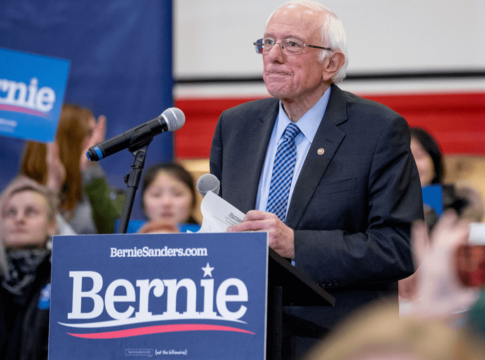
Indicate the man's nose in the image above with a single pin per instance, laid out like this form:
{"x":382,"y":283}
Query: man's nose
{"x":276,"y":54}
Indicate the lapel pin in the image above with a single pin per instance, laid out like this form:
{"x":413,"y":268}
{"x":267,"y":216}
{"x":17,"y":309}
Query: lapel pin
{"x":320,"y":151}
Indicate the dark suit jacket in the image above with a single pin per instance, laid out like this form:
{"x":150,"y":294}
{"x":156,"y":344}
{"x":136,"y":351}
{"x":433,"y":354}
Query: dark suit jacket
{"x":352,"y":206}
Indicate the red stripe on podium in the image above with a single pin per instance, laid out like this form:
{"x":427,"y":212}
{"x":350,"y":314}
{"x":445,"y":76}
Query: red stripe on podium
{"x":158,"y":329}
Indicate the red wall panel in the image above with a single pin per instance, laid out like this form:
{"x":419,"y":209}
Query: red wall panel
{"x":194,"y":139}
{"x":456,"y":120}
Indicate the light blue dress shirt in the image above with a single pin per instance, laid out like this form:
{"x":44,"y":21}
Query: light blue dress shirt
{"x":308,"y":125}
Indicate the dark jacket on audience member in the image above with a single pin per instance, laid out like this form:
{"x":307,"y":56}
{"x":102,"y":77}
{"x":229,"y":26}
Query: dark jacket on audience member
{"x":24,"y":319}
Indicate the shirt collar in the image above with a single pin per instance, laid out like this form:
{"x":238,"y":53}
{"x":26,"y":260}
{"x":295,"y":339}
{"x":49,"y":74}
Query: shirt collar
{"x":309,"y":122}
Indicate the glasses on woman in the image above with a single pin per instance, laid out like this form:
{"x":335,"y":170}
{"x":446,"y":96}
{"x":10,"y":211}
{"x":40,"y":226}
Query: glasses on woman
{"x":287,"y":46}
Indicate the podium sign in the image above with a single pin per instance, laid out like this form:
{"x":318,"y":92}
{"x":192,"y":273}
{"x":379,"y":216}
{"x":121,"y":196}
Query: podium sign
{"x":31,"y":94}
{"x":190,"y":296}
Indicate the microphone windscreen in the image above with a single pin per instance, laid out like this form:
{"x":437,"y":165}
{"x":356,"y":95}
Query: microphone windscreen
{"x":208,"y":182}
{"x":174,"y":118}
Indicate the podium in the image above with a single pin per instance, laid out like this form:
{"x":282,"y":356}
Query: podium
{"x":287,"y":286}
{"x":115,"y":296}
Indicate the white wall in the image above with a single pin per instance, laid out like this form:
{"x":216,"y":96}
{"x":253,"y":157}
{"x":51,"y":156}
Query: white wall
{"x":213,"y":38}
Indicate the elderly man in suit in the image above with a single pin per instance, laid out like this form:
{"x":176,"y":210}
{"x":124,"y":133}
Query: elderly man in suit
{"x":330,"y":176}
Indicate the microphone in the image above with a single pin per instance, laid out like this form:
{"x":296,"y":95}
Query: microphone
{"x":208,"y":182}
{"x":171,"y":119}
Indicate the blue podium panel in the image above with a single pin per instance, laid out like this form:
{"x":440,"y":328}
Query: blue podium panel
{"x":199,"y":296}
{"x":31,"y":94}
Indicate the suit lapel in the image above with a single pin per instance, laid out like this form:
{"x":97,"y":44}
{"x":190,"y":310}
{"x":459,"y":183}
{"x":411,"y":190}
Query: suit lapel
{"x":328,"y":137}
{"x":250,"y":171}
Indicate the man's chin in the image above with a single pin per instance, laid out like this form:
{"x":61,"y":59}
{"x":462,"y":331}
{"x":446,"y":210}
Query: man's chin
{"x":279,"y":92}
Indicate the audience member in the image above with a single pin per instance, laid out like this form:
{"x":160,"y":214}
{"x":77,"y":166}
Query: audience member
{"x":86,"y":199}
{"x":474,"y":208}
{"x":438,"y":291}
{"x":476,"y":319}
{"x":429,"y":162}
{"x":464,"y":199}
{"x":27,"y":222}
{"x":160,"y":226}
{"x":430,"y":330}
{"x":376,"y":333}
{"x":168,"y":197}
{"x":427,"y":155}
{"x":3,"y":260}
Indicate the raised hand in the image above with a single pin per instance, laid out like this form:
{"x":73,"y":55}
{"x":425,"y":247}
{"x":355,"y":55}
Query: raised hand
{"x":97,"y":136}
{"x":56,"y":171}
{"x":439,"y":290}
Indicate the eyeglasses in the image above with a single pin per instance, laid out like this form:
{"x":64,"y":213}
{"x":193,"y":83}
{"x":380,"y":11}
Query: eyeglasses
{"x":288,"y":47}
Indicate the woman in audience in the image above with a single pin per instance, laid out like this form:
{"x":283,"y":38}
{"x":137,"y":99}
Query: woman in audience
{"x":86,"y":199}
{"x":427,"y":155}
{"x":467,"y":203}
{"x":27,"y":222}
{"x":463,"y":198}
{"x":168,"y":198}
{"x":429,"y":161}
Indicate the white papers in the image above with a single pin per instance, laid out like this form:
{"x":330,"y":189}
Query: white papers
{"x":218,"y":214}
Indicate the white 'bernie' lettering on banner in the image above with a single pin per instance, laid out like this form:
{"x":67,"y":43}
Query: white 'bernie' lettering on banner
{"x":31,"y":97}
{"x":159,"y":287}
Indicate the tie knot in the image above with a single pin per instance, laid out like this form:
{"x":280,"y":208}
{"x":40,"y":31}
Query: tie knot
{"x":291,"y":132}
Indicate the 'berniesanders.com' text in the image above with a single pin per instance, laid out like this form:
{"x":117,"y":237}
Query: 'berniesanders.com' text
{"x":157,"y":252}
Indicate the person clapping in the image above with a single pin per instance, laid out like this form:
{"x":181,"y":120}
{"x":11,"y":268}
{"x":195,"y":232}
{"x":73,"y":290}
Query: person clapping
{"x":88,"y":204}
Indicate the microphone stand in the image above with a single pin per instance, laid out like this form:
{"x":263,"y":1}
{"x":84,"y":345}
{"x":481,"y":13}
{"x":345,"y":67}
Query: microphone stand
{"x":132,"y":180}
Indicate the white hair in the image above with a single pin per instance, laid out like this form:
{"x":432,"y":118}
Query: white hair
{"x":333,"y":34}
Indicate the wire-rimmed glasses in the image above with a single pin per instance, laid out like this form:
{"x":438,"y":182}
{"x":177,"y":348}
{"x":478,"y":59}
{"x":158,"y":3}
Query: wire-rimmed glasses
{"x":287,"y":46}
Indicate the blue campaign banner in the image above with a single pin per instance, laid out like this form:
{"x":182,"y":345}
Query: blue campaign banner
{"x":195,"y":296}
{"x":433,"y":197}
{"x":31,"y":94}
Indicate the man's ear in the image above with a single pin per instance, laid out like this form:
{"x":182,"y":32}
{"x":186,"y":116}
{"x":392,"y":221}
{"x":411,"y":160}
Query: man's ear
{"x":332,"y":64}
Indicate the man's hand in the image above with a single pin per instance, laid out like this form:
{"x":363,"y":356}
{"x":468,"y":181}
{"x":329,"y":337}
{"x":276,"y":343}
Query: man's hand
{"x":281,"y":237}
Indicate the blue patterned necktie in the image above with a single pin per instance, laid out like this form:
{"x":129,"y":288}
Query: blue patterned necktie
{"x":283,"y":166}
